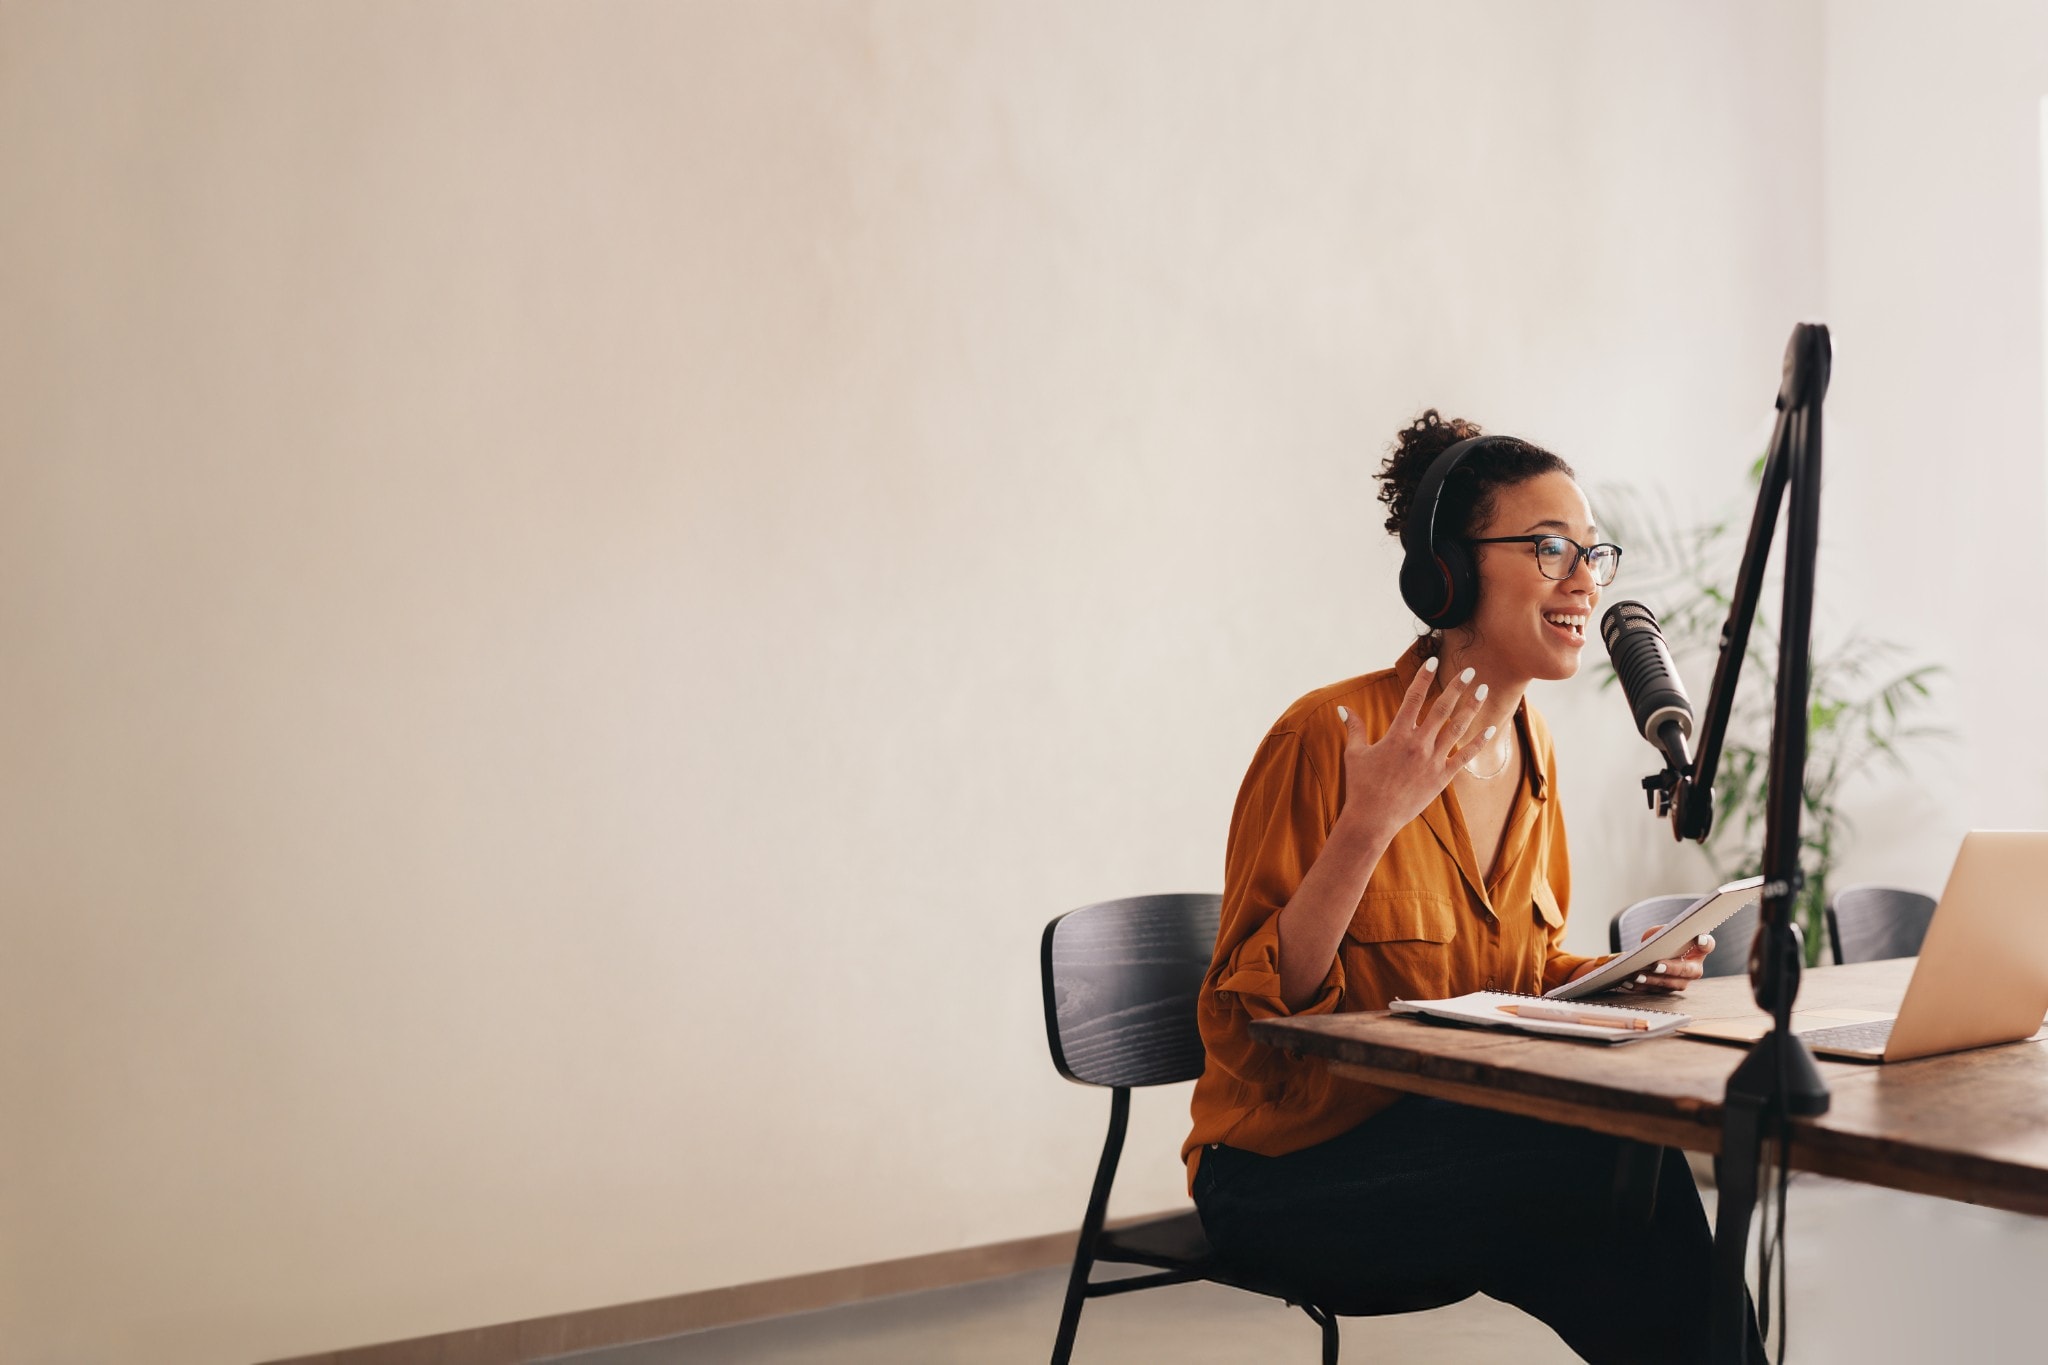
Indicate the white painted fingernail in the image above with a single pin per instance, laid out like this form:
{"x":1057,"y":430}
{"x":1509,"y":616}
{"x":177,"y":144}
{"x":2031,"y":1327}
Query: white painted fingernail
{"x":1660,"y":970}
{"x":1430,"y":666}
{"x":1489,"y":732}
{"x":1466,"y":676}
{"x":1343,"y":714}
{"x":1642,"y":981}
{"x":1480,"y":695}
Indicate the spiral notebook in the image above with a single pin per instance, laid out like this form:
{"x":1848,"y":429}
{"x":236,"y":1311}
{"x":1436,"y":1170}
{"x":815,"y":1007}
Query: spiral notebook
{"x":1485,"y":1008}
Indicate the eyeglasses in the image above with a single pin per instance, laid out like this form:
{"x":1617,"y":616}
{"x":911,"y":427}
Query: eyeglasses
{"x":1558,"y":556}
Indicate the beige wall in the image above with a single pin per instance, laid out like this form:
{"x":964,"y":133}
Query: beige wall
{"x":1934,"y":232}
{"x":580,"y":580}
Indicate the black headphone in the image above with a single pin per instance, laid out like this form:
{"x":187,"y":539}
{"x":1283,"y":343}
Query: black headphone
{"x":1439,"y":581}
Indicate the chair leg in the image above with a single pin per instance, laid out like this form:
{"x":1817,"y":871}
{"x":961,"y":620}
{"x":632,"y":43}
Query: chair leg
{"x":1070,"y":1310}
{"x":1326,"y":1320}
{"x":1091,"y":1226}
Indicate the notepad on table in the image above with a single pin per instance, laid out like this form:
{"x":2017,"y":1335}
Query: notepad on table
{"x":1557,"y":1018}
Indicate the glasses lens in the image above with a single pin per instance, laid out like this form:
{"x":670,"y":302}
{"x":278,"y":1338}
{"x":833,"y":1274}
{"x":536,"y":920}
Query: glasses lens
{"x":1605,"y":562}
{"x":1557,"y":557}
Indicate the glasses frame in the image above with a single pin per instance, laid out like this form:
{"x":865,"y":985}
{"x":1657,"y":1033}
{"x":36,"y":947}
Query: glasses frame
{"x":1580,"y":553}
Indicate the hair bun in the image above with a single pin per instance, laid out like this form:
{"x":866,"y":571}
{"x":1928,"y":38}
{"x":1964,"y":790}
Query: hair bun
{"x":1415,"y":448}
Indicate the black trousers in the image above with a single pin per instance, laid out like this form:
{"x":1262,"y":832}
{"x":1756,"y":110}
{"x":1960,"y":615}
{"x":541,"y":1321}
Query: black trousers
{"x":1432,"y":1193}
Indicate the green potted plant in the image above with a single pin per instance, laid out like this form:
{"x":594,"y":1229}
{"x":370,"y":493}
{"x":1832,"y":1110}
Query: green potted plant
{"x":1864,"y":702}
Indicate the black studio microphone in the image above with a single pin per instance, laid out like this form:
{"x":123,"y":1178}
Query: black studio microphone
{"x":1649,"y":679}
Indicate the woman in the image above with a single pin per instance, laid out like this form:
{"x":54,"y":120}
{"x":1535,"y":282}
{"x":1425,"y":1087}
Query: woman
{"x":1400,"y":834}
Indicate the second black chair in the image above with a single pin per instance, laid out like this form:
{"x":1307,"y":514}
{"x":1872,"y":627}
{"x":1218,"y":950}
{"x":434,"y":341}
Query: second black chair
{"x":1871,"y":923}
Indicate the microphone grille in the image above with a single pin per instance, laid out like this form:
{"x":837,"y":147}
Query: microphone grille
{"x":1625,"y":616}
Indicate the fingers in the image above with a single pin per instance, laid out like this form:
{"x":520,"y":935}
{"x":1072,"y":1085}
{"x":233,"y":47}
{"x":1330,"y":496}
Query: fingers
{"x":1698,"y":948}
{"x":1652,"y":984}
{"x":1674,"y":975}
{"x":1460,"y":724}
{"x":1465,"y":753}
{"x":1418,"y":692}
{"x":1354,"y":728}
{"x":1453,"y":693}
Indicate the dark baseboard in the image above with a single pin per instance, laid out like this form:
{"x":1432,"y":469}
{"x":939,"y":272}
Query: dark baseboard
{"x":517,"y":1343}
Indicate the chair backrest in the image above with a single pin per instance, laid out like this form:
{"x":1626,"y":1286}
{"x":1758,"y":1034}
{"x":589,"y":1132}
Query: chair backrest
{"x":1869,"y":923}
{"x":1121,"y":979}
{"x":1731,"y":941}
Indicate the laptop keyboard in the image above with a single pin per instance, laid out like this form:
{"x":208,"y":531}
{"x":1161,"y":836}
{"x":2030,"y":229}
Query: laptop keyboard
{"x":1872,"y":1035}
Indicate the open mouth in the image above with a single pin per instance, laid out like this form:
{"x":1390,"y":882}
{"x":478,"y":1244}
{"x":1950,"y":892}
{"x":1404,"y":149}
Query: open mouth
{"x":1571,"y":625}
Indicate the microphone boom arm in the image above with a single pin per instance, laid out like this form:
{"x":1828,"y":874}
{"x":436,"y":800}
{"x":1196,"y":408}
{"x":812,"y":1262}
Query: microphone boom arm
{"x":1692,"y":788}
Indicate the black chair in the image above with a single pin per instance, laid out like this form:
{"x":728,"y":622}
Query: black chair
{"x":1731,"y":941}
{"x":1870,"y":923}
{"x":1121,"y":979}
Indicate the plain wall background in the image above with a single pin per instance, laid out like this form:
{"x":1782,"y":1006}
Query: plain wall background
{"x":580,"y":581}
{"x":1934,"y":255}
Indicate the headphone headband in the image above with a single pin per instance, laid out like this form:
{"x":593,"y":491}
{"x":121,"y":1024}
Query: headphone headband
{"x":1419,"y":532}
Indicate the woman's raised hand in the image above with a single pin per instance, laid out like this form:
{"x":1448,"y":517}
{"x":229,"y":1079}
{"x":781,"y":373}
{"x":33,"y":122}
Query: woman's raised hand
{"x":1392,"y":780}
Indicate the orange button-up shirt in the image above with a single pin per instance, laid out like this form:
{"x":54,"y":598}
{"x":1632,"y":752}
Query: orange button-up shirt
{"x":1429,"y":925}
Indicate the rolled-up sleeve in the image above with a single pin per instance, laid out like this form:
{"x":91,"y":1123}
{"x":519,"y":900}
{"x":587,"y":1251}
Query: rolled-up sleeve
{"x":1251,"y":977}
{"x":1561,"y":967}
{"x":1283,"y":816}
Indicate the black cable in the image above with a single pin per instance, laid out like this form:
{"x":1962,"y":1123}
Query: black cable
{"x":1774,"y":1181}
{"x":1765,"y":1188}
{"x":1784,"y":1257}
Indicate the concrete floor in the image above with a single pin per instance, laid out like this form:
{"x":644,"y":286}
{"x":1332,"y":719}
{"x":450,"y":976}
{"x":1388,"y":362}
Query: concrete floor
{"x":1876,"y":1277}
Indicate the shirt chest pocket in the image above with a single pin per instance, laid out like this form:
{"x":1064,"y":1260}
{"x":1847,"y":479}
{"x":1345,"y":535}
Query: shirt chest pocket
{"x":1402,"y":944}
{"x":1547,"y":920}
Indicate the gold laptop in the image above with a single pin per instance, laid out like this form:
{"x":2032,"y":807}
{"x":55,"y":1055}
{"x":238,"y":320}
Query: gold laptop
{"x":1982,"y":977}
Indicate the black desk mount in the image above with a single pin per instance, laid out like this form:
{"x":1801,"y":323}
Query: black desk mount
{"x":1777,"y":1081}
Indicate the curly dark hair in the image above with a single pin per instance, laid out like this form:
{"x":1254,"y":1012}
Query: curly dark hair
{"x":1466,"y":502}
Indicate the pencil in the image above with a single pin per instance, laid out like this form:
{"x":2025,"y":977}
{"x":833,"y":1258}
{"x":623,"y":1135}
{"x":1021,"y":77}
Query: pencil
{"x":1564,"y":1016}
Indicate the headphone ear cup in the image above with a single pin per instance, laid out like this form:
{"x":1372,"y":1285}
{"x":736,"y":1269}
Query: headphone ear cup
{"x":1460,"y":579}
{"x":1422,"y":585}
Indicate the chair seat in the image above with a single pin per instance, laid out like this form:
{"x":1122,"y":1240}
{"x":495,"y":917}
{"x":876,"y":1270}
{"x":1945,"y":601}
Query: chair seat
{"x":1350,"y":1301}
{"x":1177,"y":1242}
{"x":1171,"y":1242}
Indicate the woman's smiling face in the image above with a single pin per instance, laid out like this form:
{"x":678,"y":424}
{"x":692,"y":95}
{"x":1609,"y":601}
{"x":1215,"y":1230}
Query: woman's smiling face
{"x":1527,"y":625}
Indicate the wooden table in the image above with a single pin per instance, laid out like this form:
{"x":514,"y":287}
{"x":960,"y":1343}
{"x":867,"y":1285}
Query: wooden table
{"x":1971,"y":1126}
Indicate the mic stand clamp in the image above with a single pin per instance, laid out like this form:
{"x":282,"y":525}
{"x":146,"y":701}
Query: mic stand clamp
{"x":1674,"y":793}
